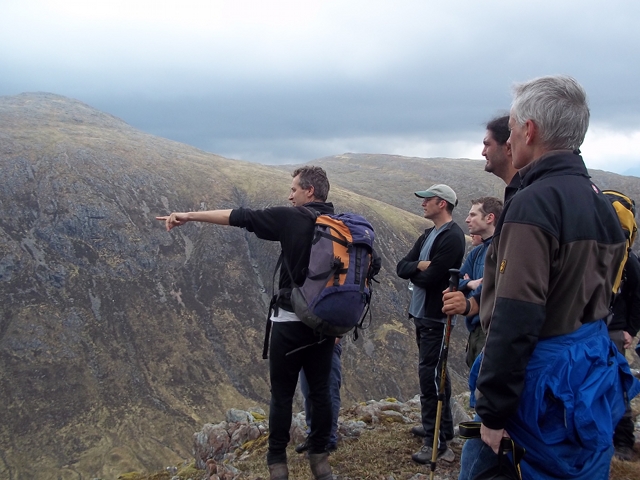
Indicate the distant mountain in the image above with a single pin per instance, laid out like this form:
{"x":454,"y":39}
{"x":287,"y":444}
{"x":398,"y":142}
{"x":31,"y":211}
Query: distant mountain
{"x":635,"y":171}
{"x":118,"y":340}
{"x":393,"y":179}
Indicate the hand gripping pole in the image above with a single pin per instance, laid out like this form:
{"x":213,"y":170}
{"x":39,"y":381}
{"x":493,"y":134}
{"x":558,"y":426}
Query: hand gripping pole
{"x":454,"y":278}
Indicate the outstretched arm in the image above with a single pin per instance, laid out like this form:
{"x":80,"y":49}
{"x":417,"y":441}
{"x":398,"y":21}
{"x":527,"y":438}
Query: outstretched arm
{"x":219,"y":217}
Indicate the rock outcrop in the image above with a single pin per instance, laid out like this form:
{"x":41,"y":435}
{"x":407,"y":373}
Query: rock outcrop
{"x":219,"y":448}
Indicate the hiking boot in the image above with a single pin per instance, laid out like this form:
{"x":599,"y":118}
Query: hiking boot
{"x":623,"y":453}
{"x":278,"y":471}
{"x":320,"y":468}
{"x":419,"y":431}
{"x":423,"y":455}
{"x":302,"y":447}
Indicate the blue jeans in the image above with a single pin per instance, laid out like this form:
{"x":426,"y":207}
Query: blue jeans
{"x":335,"y":381}
{"x":476,"y":457}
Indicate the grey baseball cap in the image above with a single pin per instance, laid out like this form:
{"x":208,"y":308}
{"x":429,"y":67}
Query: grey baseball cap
{"x":440,"y":190}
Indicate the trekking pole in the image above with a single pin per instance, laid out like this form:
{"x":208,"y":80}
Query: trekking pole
{"x":454,"y":278}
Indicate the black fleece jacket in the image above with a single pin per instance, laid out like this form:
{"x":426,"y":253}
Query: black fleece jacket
{"x":548,"y":271}
{"x":447,"y":252}
{"x":292,"y":227}
{"x":626,"y":307}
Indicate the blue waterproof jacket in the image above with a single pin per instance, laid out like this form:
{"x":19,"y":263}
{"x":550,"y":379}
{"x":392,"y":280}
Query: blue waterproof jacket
{"x":474,"y":267}
{"x":572,"y":400}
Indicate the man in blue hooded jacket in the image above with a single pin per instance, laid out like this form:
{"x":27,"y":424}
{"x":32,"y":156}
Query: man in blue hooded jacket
{"x":482,"y":219}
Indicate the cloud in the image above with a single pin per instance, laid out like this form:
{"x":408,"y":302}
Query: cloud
{"x":617,"y":151}
{"x":287,"y":79}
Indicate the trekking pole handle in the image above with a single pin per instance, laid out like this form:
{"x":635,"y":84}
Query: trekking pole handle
{"x":454,"y":279}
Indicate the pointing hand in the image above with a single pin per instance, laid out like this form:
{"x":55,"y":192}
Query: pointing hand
{"x":174,"y":220}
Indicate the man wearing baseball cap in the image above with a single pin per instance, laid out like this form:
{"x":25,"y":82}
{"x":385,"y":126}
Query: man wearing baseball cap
{"x":427,"y":265}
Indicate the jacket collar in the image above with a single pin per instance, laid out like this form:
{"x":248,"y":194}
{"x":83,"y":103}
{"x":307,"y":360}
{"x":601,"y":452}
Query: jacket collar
{"x":320,"y":207}
{"x":551,"y":164}
{"x":446,"y":226}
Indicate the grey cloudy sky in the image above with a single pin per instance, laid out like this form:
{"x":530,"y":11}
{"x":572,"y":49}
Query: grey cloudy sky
{"x":295,"y":80}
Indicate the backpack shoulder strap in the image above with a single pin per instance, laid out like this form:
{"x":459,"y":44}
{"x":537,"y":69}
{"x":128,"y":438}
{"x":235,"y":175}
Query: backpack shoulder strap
{"x":273,"y":307}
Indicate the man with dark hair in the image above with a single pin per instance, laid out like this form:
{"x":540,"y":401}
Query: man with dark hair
{"x":427,"y":265}
{"x":294,"y":345}
{"x":482,"y":219}
{"x":497,"y":152}
{"x":550,"y":379}
{"x":309,"y":177}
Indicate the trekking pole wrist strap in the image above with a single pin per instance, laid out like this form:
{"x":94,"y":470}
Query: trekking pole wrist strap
{"x":467,"y":309}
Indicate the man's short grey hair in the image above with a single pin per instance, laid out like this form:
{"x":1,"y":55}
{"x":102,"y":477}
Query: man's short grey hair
{"x":558,"y":106}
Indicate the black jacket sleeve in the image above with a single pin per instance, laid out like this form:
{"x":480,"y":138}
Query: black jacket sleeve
{"x":446,"y":253}
{"x":517,"y":318}
{"x":267,"y":224}
{"x":408,"y":266}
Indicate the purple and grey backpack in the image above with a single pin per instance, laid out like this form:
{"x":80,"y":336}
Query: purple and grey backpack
{"x":336,"y":293}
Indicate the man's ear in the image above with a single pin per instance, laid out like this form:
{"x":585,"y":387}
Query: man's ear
{"x":311,"y":191}
{"x":491,"y":218}
{"x":532,"y":132}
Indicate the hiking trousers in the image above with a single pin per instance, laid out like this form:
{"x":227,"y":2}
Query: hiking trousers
{"x":335,"y":382}
{"x":475,"y":344}
{"x":429,"y":337}
{"x":295,"y":346}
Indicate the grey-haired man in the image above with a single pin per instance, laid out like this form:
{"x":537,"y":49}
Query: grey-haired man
{"x":550,"y":379}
